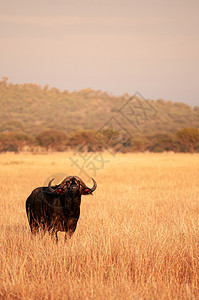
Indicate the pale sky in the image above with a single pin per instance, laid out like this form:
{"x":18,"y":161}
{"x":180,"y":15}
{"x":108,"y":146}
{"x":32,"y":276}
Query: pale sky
{"x":118,"y":46}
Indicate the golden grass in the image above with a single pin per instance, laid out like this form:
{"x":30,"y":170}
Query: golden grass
{"x":137,"y":237}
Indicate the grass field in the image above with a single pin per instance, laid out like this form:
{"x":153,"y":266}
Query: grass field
{"x":137,"y":237}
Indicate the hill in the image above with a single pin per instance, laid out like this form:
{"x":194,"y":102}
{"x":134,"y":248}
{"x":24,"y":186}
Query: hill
{"x":32,"y":109}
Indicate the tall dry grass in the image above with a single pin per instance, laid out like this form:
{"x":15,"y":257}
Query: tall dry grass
{"x":137,"y":237}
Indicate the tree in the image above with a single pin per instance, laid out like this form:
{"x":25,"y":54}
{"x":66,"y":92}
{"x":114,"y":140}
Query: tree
{"x":15,"y":141}
{"x":52,"y":139}
{"x":189,"y":139}
{"x":160,"y":142}
{"x":84,"y":140}
{"x":139,"y":144}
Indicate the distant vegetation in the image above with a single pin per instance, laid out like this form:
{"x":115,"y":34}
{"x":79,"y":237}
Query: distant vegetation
{"x":39,"y":118}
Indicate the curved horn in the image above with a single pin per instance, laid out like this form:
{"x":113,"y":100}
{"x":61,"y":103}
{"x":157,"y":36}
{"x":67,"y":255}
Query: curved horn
{"x":50,"y":188}
{"x":60,"y":186}
{"x":94,"y":185}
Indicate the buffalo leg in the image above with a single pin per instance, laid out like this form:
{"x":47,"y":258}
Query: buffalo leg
{"x":71,"y":230}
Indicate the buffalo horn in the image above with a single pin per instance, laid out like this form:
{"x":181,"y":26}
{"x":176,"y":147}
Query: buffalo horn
{"x":94,"y":185}
{"x":49,"y":186}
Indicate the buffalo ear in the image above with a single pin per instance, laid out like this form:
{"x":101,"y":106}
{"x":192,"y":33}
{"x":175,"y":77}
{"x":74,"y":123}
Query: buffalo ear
{"x":86,"y":191}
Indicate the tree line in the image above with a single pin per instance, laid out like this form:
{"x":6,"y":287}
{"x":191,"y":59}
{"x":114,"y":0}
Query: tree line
{"x":184,"y":140}
{"x":36,"y":118}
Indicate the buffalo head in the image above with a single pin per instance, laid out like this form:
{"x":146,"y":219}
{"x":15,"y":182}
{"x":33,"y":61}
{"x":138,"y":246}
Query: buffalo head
{"x":72,"y":185}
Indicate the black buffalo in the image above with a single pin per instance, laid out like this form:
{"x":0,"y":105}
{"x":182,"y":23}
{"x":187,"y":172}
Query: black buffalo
{"x":57,"y":208}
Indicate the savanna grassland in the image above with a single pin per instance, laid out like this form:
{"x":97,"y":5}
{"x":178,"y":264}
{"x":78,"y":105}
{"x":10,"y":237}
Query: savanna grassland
{"x":137,"y":236}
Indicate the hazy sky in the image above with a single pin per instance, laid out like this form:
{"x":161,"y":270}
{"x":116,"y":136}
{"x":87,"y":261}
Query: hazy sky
{"x":113,"y":45}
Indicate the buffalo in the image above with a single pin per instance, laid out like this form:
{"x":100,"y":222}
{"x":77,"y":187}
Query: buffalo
{"x":57,"y":208}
